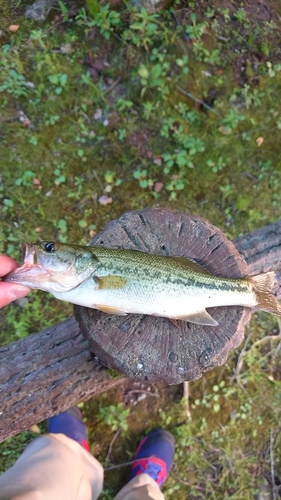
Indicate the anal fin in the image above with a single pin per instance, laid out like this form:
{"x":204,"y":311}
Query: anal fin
{"x":109,"y":309}
{"x":199,"y":318}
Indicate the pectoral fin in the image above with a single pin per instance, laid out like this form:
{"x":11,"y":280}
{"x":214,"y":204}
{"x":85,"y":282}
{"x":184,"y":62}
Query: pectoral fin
{"x":200,"y":318}
{"x":109,"y":309}
{"x":110,"y":282}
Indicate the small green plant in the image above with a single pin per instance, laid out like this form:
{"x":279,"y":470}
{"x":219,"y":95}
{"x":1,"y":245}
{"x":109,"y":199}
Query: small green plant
{"x":105,"y":19}
{"x":64,"y":10}
{"x":141,"y":32}
{"x":196,"y":30}
{"x":14,"y":83}
{"x":52,"y":120}
{"x":26,"y":179}
{"x":154,"y":76}
{"x":232,"y":120}
{"x":241,"y":16}
{"x":141,"y":176}
{"x":62,"y":227}
{"x":38,"y":36}
{"x":216,"y":165}
{"x":59,"y":80}
{"x":30,"y":315}
{"x":111,"y":181}
{"x":115,"y":416}
{"x":60,"y":177}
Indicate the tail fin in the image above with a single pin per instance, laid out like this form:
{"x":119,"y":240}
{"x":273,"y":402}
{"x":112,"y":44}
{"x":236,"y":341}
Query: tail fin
{"x":262,"y":285}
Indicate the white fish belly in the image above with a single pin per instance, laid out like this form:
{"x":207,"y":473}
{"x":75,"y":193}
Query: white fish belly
{"x":156,"y":299}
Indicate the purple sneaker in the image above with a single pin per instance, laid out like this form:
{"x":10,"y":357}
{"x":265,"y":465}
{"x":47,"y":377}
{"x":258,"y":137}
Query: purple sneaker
{"x":154,"y":456}
{"x":70,"y":423}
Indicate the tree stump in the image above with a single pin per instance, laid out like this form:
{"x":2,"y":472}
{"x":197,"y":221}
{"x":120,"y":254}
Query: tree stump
{"x":153,"y":348}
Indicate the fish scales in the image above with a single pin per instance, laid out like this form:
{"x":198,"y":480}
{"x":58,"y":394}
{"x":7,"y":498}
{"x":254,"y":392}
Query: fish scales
{"x":163,"y":293}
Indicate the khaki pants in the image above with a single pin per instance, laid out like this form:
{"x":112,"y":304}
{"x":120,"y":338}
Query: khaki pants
{"x":55,"y":467}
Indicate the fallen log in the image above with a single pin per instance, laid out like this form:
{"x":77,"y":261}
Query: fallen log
{"x":46,"y":373}
{"x":53,"y":369}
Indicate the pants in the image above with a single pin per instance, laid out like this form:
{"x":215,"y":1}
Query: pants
{"x":55,"y":467}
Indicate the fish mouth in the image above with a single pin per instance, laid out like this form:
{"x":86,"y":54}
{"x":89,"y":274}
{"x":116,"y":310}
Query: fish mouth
{"x":30,"y":270}
{"x":29,"y":254}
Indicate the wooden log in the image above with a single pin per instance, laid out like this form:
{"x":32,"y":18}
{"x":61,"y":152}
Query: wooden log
{"x":262,"y":251}
{"x":262,"y":248}
{"x":153,"y":348}
{"x":49,"y":371}
{"x":46,"y":373}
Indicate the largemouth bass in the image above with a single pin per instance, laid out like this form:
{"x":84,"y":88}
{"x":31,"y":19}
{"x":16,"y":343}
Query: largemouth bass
{"x":129,"y":281}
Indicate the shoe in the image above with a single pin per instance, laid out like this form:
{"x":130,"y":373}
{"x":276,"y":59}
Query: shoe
{"x":70,"y":423}
{"x":154,"y":456}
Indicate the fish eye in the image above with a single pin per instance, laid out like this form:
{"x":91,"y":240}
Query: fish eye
{"x":49,"y":247}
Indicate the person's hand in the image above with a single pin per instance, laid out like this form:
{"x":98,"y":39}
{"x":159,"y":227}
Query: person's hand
{"x":10,"y":291}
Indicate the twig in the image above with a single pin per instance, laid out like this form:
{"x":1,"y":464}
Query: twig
{"x":186,"y":37}
{"x":186,"y":398}
{"x":111,"y":87}
{"x":97,"y":179}
{"x":267,"y":338}
{"x":186,"y":483}
{"x":240,"y":363}
{"x":274,"y":495}
{"x":279,"y":345}
{"x":142,"y":391}
{"x":196,"y":99}
{"x":125,"y":464}
{"x":243,"y":353}
{"x":112,"y":443}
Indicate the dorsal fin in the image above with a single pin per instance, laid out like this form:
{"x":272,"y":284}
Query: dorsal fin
{"x":191,"y":264}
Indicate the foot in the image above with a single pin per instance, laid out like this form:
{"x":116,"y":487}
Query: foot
{"x":154,"y":456}
{"x":70,"y":423}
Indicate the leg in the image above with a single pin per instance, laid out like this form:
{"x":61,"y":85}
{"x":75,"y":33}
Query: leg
{"x":152,"y":463}
{"x":55,"y":466}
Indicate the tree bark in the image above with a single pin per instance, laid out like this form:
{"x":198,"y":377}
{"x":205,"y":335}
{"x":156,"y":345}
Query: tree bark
{"x":46,"y":373}
{"x":53,"y":369}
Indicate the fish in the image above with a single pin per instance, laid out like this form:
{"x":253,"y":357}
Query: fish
{"x":118,"y":281}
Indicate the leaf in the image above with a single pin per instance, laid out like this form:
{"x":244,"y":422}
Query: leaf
{"x":53,"y":79}
{"x":109,"y":177}
{"x":82,"y":223}
{"x":62,"y":225}
{"x":35,"y":429}
{"x":259,"y":141}
{"x":59,"y":180}
{"x":143,"y":183}
{"x":63,"y":79}
{"x":63,"y":8}
{"x":105,"y":200}
{"x":243,"y":202}
{"x":13,"y":27}
{"x":158,"y":186}
{"x":93,"y":7}
{"x":143,"y":72}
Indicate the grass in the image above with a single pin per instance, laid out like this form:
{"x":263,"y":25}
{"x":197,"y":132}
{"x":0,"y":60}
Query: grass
{"x":177,"y":108}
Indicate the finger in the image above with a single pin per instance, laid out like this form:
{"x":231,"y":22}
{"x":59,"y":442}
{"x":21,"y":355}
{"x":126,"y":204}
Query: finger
{"x":7,"y":264}
{"x":10,"y":292}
